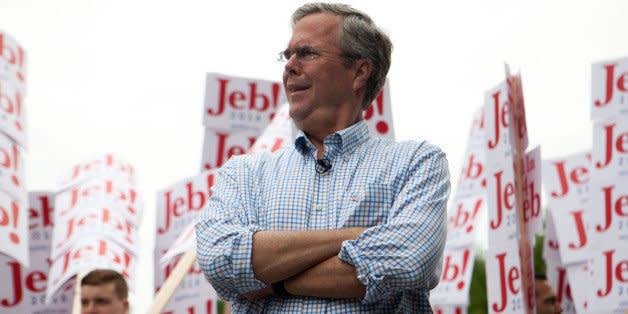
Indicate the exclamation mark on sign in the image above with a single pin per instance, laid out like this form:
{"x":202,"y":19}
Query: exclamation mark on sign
{"x":14,"y":178}
{"x":16,"y":212}
{"x":18,"y":109}
{"x":133,"y":195}
{"x":478,"y":204}
{"x":276,"y":90}
{"x":381,"y":126}
{"x":465,"y":260}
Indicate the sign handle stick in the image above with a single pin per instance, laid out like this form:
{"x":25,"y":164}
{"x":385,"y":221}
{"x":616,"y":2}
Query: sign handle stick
{"x":76,"y":303}
{"x":173,"y":281}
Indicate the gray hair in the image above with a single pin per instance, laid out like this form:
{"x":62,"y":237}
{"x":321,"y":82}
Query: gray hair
{"x":360,"y":38}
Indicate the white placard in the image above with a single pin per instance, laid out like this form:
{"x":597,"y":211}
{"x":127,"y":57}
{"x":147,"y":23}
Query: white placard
{"x":280,"y":133}
{"x":566,"y":180}
{"x":114,"y":194}
{"x":502,"y":205}
{"x":240,"y":104}
{"x":12,"y":113}
{"x":503,"y":280}
{"x":379,"y":115}
{"x":104,"y":166}
{"x":573,"y":233}
{"x":532,"y":192}
{"x":219,"y":146}
{"x":608,"y":211}
{"x":12,"y":61}
{"x":97,"y":220}
{"x":180,"y":205}
{"x":609,"y":88}
{"x":87,"y":254}
{"x":184,"y":243}
{"x":14,"y":228}
{"x":610,"y":147}
{"x":12,"y":169}
{"x":557,"y":278}
{"x":462,"y":220}
{"x":498,"y":134}
{"x":610,"y":279}
{"x":455,"y":280}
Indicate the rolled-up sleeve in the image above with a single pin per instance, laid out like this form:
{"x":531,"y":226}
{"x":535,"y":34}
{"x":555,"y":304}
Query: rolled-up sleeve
{"x":224,"y":238}
{"x":406,"y":252}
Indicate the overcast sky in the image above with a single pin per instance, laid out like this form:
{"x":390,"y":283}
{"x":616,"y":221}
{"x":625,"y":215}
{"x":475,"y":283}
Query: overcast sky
{"x":128,"y":76}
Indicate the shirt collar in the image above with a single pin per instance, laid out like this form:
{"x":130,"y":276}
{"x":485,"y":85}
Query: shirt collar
{"x":345,"y":141}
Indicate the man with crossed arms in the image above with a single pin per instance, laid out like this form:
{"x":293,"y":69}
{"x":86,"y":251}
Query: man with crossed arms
{"x":341,"y":221}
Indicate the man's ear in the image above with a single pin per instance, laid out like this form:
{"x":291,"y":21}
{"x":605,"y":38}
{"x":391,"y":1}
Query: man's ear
{"x":362,"y":74}
{"x":126,"y":305}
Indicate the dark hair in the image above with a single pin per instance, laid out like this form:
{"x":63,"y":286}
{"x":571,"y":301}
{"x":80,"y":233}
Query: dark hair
{"x":359,"y":38}
{"x":102,"y":276}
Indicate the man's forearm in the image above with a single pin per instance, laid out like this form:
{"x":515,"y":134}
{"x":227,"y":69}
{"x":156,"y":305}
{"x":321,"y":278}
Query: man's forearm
{"x":278,"y":255}
{"x":333,"y":278}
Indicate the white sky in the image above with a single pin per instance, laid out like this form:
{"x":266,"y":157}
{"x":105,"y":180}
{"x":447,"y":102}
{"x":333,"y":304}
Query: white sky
{"x":128,"y":76}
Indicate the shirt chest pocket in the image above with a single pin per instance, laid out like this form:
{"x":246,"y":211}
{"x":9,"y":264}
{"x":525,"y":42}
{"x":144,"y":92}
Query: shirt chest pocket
{"x":366,"y":206}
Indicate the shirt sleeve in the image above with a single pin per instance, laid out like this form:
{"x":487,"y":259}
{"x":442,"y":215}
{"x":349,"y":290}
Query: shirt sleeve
{"x":406,"y":253}
{"x":224,"y":238}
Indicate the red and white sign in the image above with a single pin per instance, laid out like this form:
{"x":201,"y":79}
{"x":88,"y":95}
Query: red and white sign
{"x":557,"y":277}
{"x":450,"y":309}
{"x":278,"y":134}
{"x":100,"y":221}
{"x":503,"y":280}
{"x":498,"y":117}
{"x":105,"y":166}
{"x":610,"y":147}
{"x":194,"y":294}
{"x":472,"y":180}
{"x":219,"y":146}
{"x":502,"y":206}
{"x":610,"y":279}
{"x":114,"y":194}
{"x":180,"y":205}
{"x":609,"y":211}
{"x":87,"y":254}
{"x":379,"y":115}
{"x":609,"y":88}
{"x":462,"y":218}
{"x":566,"y":180}
{"x":12,"y":112}
{"x":532,"y":192}
{"x":184,"y":243}
{"x":12,"y":61}
{"x":240,"y":104}
{"x":11,"y":169}
{"x":455,"y":280}
{"x":14,"y":228}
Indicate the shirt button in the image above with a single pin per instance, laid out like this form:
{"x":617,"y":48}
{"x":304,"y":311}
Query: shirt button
{"x":319,"y":207}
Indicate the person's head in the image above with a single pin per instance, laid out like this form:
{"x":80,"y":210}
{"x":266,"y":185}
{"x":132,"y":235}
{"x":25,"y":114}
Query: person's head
{"x":104,"y":291}
{"x":546,"y":300}
{"x":337,"y":61}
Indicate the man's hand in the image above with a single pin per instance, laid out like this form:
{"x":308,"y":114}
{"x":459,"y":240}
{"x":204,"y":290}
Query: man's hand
{"x":257,"y":294}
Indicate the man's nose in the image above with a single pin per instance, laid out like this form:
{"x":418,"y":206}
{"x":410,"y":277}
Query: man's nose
{"x":293,"y":65}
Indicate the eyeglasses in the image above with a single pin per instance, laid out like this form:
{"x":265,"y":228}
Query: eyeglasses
{"x":303,"y":53}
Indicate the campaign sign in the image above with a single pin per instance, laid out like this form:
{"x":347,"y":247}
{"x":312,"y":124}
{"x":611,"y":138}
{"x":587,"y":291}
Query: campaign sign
{"x":609,"y":88}
{"x":610,"y":147}
{"x":610,"y":279}
{"x":115,"y":194}
{"x":87,"y":254}
{"x":608,"y":210}
{"x":378,"y":116}
{"x":472,"y":179}
{"x":12,"y":169}
{"x":180,"y":205}
{"x":40,"y":218}
{"x":551,"y":254}
{"x":462,"y":219}
{"x":105,"y":165}
{"x":498,"y":119}
{"x":278,"y":134}
{"x":503,"y":280}
{"x":184,"y":243}
{"x":96,"y":220}
{"x":219,"y":146}
{"x":557,"y":277}
{"x":12,"y":61}
{"x":566,"y":180}
{"x":12,"y":113}
{"x":532,"y":192}
{"x":14,"y":228}
{"x":240,"y":104}
{"x":579,"y":276}
{"x":194,"y":294}
{"x":502,"y":205}
{"x":455,"y":280}
{"x":573,"y":233}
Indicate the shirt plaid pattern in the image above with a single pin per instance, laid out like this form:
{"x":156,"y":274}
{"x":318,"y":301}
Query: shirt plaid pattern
{"x":400,"y":190}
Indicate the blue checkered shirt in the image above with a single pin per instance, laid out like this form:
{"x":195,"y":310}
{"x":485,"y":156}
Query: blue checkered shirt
{"x":400,"y":190}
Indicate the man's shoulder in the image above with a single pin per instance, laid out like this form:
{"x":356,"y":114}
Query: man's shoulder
{"x":256,"y":164}
{"x":406,"y":148}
